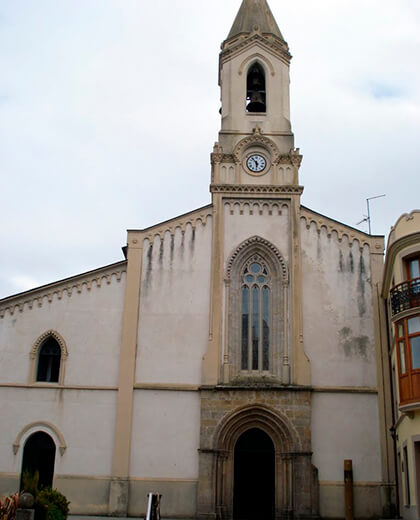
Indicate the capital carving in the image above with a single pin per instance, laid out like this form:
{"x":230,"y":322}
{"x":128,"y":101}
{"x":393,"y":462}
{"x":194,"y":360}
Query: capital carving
{"x":292,"y":158}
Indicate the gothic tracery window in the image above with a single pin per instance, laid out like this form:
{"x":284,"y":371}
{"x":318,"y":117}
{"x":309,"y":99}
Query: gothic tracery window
{"x":255,"y":311}
{"x":257,"y":296}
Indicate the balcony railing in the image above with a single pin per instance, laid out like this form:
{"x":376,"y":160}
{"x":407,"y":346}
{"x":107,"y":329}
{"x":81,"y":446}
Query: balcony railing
{"x":405,"y":296}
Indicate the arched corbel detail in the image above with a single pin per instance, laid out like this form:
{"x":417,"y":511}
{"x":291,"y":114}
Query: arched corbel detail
{"x":257,"y":57}
{"x":256,"y":138}
{"x":45,"y":426}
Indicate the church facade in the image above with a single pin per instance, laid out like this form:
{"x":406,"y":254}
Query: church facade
{"x":232,"y":361}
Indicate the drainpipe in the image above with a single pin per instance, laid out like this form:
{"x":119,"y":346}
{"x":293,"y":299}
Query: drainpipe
{"x":393,"y":430}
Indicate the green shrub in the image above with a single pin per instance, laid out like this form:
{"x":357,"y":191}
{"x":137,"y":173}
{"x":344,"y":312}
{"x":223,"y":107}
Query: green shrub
{"x":54,"y":513}
{"x":56,"y":504}
{"x":30,"y":482}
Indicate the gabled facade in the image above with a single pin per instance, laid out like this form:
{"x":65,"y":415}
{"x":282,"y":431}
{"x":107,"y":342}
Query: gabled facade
{"x":232,"y":362}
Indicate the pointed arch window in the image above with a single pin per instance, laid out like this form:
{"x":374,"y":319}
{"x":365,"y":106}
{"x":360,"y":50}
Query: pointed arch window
{"x":256,"y":96}
{"x":49,"y":359}
{"x":255,"y":311}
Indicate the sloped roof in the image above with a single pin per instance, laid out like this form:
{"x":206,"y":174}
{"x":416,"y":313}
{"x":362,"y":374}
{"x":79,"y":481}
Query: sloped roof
{"x":251,"y":13}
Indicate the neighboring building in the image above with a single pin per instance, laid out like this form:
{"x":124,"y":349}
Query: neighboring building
{"x":401,"y":290}
{"x":232,"y":361}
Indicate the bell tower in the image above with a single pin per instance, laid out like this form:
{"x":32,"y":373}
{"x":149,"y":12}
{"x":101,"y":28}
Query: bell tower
{"x":255,"y":359}
{"x":256,"y":143}
{"x":255,"y":190}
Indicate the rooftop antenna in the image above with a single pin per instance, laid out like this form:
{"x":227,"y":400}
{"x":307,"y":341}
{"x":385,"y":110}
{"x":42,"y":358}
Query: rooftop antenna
{"x":367,"y":217}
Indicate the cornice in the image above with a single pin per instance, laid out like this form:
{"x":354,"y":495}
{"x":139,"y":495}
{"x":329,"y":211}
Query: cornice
{"x":392,"y":251}
{"x":260,"y":189}
{"x":180,"y":223}
{"x":57,"y":386}
{"x":272,"y":44}
{"x":46,"y":293}
{"x":375,"y":243}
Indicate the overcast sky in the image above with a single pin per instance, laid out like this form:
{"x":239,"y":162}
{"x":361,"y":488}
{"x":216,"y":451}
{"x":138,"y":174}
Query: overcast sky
{"x":109,"y":111}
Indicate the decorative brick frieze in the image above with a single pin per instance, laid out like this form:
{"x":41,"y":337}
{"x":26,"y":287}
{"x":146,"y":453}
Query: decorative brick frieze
{"x":309,"y":218}
{"x":256,"y":207}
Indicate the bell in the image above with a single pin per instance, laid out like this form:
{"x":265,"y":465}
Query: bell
{"x":256,"y":103}
{"x":256,"y":83}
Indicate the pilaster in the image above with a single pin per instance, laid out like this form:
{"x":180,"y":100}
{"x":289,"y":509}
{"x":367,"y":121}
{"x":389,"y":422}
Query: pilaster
{"x":300,"y":362}
{"x":212,"y":358}
{"x":119,"y":488}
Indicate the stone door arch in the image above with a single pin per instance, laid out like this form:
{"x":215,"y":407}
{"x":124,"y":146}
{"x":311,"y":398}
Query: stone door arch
{"x":39,"y":457}
{"x":286,"y":445}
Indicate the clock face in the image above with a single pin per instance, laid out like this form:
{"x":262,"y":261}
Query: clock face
{"x":256,"y":163}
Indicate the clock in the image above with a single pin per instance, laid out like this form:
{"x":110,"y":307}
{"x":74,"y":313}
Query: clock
{"x":256,"y":163}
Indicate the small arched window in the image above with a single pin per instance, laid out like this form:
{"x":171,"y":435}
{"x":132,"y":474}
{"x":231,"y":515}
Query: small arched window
{"x":256,"y":97}
{"x":49,"y":359}
{"x":255,"y":311}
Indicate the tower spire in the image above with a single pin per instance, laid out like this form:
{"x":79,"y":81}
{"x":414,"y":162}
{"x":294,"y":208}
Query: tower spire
{"x":254,"y":13}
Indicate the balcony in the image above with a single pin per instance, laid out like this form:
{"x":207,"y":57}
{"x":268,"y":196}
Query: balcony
{"x":405,"y":296}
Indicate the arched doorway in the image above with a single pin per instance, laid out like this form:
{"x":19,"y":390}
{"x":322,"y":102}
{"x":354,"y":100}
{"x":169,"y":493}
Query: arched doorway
{"x":39,"y":455}
{"x":254,"y":476}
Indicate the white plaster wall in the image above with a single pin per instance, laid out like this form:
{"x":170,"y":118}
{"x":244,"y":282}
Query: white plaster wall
{"x":90,"y":323}
{"x":337,"y":310}
{"x":85,"y":418}
{"x":346,"y":426}
{"x":240,"y":227}
{"x":174,"y":306}
{"x":165,"y":438}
